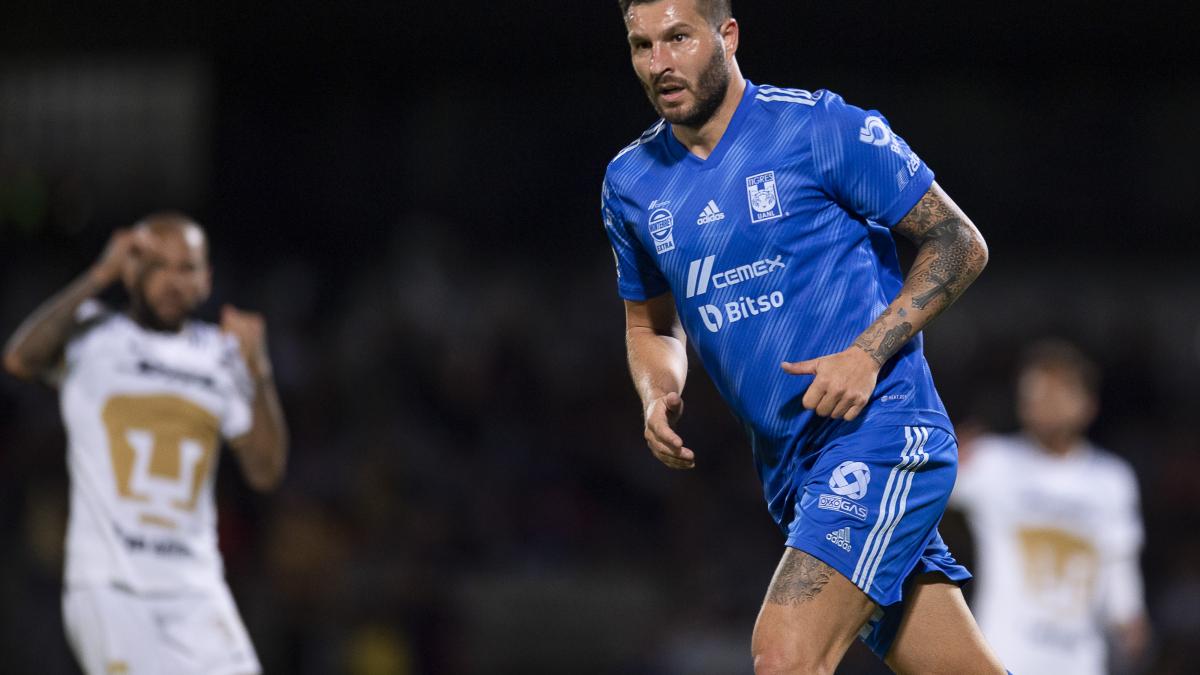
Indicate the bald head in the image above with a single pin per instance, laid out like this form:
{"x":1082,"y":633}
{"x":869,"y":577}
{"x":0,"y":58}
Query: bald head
{"x":171,"y":275}
{"x":168,"y":224}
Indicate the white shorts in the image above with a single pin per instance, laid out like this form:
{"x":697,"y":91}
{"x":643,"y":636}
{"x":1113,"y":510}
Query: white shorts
{"x":117,"y":632}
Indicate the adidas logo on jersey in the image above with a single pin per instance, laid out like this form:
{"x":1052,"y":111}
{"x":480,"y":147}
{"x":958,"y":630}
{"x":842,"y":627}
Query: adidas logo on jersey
{"x":710,"y":214}
{"x":840,"y":538}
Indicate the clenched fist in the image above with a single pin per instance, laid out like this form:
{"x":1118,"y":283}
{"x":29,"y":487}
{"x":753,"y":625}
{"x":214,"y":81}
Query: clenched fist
{"x":250,"y":329}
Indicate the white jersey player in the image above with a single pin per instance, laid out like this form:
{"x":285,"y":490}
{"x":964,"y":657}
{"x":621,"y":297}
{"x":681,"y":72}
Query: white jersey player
{"x":1057,"y":528}
{"x":147,"y":396}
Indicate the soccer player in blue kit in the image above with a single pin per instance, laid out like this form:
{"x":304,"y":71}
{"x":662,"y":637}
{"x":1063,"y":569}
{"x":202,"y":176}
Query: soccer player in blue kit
{"x":758,"y":222}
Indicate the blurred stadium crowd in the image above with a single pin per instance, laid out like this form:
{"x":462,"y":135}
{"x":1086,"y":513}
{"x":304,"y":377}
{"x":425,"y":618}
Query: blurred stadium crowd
{"x":468,"y":490}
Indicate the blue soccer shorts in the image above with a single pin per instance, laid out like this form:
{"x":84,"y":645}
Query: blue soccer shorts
{"x":869,"y":506}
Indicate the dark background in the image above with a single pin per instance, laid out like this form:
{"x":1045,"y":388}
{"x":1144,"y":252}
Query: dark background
{"x":410,"y":191}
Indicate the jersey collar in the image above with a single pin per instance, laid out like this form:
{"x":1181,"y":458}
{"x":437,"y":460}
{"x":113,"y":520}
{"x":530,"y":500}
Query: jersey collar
{"x":679,"y":152}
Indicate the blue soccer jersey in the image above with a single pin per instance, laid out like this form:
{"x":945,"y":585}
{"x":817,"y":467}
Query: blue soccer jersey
{"x":777,"y":247}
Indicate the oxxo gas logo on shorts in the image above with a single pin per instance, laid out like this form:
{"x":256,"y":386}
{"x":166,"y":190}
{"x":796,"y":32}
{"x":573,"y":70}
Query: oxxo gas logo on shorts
{"x":842,"y":505}
{"x":850,"y":479}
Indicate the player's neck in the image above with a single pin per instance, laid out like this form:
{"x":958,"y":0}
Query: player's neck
{"x":702,"y":140}
{"x":1058,"y":445}
{"x":147,"y":319}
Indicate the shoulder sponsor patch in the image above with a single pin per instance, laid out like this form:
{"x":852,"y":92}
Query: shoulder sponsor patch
{"x":661,"y":225}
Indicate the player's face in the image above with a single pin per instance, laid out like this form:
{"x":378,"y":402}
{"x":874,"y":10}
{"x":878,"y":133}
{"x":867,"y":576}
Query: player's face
{"x":172,"y":276}
{"x":682,"y":63}
{"x":1054,"y":402}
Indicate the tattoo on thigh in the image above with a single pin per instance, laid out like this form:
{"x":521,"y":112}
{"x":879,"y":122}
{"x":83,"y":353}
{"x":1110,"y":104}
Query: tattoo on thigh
{"x":800,"y":577}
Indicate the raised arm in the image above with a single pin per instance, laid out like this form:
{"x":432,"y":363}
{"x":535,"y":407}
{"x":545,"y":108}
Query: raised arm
{"x":950,"y":255}
{"x":655,"y":341}
{"x":37,"y":345}
{"x":261,"y":451}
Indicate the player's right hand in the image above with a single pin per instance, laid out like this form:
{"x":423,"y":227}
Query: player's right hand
{"x":661,"y":416}
{"x":121,"y":250}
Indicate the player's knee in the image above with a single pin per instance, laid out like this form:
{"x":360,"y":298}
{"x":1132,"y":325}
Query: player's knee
{"x":778,"y":657}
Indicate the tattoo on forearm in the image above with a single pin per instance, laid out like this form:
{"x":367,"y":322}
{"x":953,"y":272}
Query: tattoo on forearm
{"x":800,"y":577}
{"x":873,"y":333}
{"x":882,"y":342}
{"x":893,"y":340}
{"x":39,"y":340}
{"x":950,"y":255}
{"x":949,"y":258}
{"x":950,"y":266}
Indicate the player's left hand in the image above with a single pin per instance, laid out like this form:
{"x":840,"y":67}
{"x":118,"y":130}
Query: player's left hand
{"x":250,"y":329}
{"x":842,"y":385}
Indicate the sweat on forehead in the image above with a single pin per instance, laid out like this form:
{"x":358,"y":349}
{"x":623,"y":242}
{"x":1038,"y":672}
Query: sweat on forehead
{"x":715,"y":11}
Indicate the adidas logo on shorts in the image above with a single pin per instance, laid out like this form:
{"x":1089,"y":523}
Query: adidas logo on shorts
{"x":841,"y":538}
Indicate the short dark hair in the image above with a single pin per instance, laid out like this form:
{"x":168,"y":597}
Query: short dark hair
{"x":716,"y":11}
{"x":1062,"y":356}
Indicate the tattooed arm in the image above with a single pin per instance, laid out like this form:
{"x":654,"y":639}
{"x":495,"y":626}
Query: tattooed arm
{"x":950,"y":255}
{"x":38,"y":343}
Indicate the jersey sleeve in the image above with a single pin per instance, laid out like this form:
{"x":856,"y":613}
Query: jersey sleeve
{"x":863,"y":164}
{"x":1121,"y":578}
{"x":89,"y":314}
{"x":638,"y":278}
{"x":237,"y":417}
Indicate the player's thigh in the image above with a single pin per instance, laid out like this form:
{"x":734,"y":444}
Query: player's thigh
{"x":811,"y":615}
{"x":938,"y":634}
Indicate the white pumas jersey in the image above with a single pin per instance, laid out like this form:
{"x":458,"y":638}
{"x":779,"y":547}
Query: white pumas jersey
{"x":145,"y":413}
{"x":1058,"y":540}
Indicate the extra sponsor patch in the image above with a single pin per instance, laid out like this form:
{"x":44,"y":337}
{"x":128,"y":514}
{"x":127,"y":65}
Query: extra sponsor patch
{"x":661,"y":227}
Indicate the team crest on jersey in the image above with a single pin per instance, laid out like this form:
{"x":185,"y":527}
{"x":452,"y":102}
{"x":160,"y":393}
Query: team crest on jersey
{"x":661,"y":226}
{"x":763,"y":196}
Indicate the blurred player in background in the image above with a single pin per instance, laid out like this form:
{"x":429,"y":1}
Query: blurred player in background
{"x":147,"y":394}
{"x":1056,"y":525}
{"x":758,"y":222}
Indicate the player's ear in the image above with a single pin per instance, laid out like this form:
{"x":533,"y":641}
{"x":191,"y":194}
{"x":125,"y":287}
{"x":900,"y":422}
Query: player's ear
{"x":729,"y":32}
{"x":1091,"y":410}
{"x":205,"y":282}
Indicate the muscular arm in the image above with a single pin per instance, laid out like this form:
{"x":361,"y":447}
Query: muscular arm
{"x":950,"y":255}
{"x":655,"y":342}
{"x":262,"y":451}
{"x":37,"y":345}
